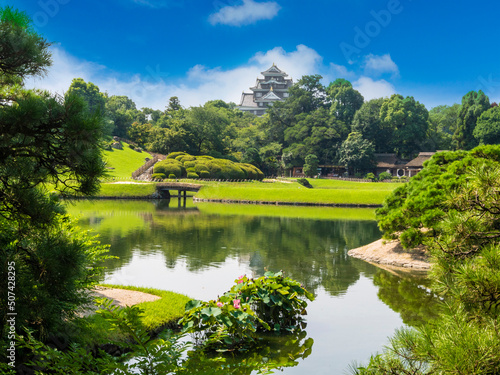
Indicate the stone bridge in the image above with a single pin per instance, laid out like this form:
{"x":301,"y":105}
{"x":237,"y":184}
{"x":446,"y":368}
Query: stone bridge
{"x":182,"y":188}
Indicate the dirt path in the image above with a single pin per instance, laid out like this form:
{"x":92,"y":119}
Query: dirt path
{"x":392,"y":253}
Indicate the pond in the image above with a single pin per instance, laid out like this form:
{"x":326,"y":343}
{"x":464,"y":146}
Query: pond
{"x":200,"y":249}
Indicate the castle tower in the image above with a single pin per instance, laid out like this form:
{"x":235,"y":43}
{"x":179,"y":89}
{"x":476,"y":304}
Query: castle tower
{"x":268,"y":90}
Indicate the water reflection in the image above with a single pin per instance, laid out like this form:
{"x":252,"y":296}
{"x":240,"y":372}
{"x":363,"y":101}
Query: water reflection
{"x":199,"y":250}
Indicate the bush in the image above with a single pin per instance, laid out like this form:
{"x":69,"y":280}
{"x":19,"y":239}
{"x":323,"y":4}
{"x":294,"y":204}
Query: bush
{"x":170,"y":166}
{"x":268,"y":303}
{"x":370,"y":176}
{"x":158,"y":176}
{"x":172,"y":176}
{"x":174,"y":155}
{"x":192,"y":175}
{"x":192,"y":170}
{"x":384,"y":176}
{"x":205,"y":174}
{"x":304,"y":182}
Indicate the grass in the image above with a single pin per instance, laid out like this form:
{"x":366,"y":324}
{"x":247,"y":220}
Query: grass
{"x":324,"y":191}
{"x":127,"y":190}
{"x":124,"y":162}
{"x":163,"y":312}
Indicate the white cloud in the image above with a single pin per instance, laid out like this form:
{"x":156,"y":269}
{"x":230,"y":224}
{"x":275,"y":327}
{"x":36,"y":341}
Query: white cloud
{"x":371,"y":89}
{"x":378,"y":65}
{"x":199,"y":85}
{"x":247,"y":13}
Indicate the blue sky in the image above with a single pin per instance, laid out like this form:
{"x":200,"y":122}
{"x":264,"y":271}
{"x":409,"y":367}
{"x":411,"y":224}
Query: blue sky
{"x":201,"y":50}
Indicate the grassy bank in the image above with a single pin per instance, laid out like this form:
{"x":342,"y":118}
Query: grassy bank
{"x":127,"y":190}
{"x":121,"y":163}
{"x":323,"y":192}
{"x":157,"y":314}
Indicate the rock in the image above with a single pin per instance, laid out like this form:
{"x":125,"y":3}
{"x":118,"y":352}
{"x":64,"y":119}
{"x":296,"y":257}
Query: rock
{"x":117,"y":145}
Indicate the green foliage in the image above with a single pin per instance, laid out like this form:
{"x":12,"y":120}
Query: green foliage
{"x":192,"y":175}
{"x":473,"y":105}
{"x":345,"y":100}
{"x":304,"y":182}
{"x":464,"y":338}
{"x":384,"y":176}
{"x":370,"y":176}
{"x":413,"y":210}
{"x":45,"y":140}
{"x":172,"y":176}
{"x":356,"y":153}
{"x":161,"y":356}
{"x":487,"y":130}
{"x":367,"y":122}
{"x":169,"y":167}
{"x":311,"y":166}
{"x":408,"y":121}
{"x":158,"y":176}
{"x":272,"y":302}
{"x":205,"y":166}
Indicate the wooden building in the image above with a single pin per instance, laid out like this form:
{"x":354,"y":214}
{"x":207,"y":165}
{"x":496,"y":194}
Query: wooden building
{"x":268,"y":90}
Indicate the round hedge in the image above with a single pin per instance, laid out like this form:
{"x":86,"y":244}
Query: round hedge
{"x":170,"y":166}
{"x":204,"y":166}
{"x":173,"y":155}
{"x":158,"y":176}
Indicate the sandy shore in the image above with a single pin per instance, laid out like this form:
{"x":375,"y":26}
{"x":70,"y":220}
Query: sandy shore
{"x":120,"y":297}
{"x":392,"y":253}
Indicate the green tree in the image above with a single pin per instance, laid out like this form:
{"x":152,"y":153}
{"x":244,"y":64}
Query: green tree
{"x":408,"y":120}
{"x":46,"y":141}
{"x":356,"y":153}
{"x":315,"y":132}
{"x":123,"y":112}
{"x":140,"y":133}
{"x":487,"y":130}
{"x":473,"y":105}
{"x":89,"y":92}
{"x":442,"y":126}
{"x":367,"y":122}
{"x":345,"y":101}
{"x":311,"y":165}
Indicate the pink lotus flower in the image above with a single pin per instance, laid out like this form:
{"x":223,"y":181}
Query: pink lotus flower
{"x":236,"y":303}
{"x":219,"y":304}
{"x":240,"y":279}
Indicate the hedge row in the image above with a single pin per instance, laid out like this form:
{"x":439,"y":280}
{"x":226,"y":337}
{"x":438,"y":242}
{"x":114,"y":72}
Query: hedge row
{"x":183,"y":165}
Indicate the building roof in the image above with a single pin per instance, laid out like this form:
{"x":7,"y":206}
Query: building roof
{"x":247,"y":100}
{"x":273,"y":70}
{"x":418,"y":162}
{"x":389,"y":161}
{"x":271,"y":96}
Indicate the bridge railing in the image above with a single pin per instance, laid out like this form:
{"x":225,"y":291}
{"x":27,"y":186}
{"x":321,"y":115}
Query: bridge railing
{"x":145,"y":167}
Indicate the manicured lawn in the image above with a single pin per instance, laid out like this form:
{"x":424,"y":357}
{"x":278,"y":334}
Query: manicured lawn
{"x":323,"y":191}
{"x":124,"y":162}
{"x":121,"y":190}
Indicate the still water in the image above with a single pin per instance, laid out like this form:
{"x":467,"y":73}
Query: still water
{"x":200,"y":249}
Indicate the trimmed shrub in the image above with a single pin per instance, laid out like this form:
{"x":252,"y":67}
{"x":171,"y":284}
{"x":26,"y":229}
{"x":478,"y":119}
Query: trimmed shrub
{"x":205,"y":174}
{"x":185,"y":158}
{"x":384,"y":176}
{"x":158,"y":176}
{"x":172,"y":176}
{"x":190,"y":164}
{"x":204,"y":157}
{"x":370,"y":176}
{"x":304,"y":182}
{"x":192,"y":175}
{"x":173,"y":155}
{"x":170,"y":166}
{"x":192,"y":170}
